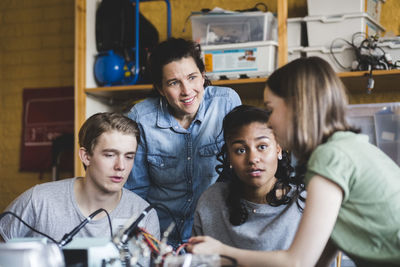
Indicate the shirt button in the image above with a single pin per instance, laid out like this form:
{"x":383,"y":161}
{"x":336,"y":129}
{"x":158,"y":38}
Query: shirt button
{"x":176,"y":127}
{"x":189,"y":158}
{"x":162,"y":165}
{"x":181,"y":221}
{"x":189,"y":199}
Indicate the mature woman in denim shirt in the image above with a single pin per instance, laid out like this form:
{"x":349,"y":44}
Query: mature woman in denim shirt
{"x":180,"y":134}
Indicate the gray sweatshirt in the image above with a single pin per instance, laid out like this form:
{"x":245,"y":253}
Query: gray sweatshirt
{"x":267,"y":227}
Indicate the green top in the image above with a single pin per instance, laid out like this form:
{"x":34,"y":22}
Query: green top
{"x":368,"y":224}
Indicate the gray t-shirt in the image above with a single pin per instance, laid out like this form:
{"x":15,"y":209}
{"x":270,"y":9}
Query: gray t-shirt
{"x":267,"y":227}
{"x":52,"y":209}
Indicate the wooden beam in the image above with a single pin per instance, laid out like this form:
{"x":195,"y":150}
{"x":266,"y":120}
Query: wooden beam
{"x":282,"y":32}
{"x":79,"y":79}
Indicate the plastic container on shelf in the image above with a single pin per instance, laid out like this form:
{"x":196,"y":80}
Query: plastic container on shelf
{"x":387,"y":130}
{"x":295,"y":52}
{"x":296,"y":32}
{"x":391,"y":46}
{"x":333,"y":7}
{"x":381,"y":122}
{"x":323,"y":30}
{"x":229,"y":28}
{"x":233,"y":61}
{"x":340,"y":58}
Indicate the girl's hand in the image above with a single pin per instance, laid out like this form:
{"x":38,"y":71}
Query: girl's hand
{"x":204,"y":245}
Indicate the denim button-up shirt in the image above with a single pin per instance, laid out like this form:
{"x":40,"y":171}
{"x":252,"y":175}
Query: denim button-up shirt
{"x":174,"y":165}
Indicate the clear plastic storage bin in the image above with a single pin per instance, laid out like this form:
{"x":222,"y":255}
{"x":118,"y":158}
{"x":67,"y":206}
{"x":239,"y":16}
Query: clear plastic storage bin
{"x":323,"y":30}
{"x":230,"y":28}
{"x":296,"y":32}
{"x":295,"y":52}
{"x":391,"y":46}
{"x":334,"y":7}
{"x":381,"y":122}
{"x":340,"y":58}
{"x":387,"y":129}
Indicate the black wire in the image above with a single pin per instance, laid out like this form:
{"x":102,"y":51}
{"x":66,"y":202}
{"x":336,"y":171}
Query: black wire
{"x":364,"y":34}
{"x":27,"y":225}
{"x":372,"y":61}
{"x":366,"y":59}
{"x":133,"y":228}
{"x":109,"y":223}
{"x":186,"y":21}
{"x":333,"y":54}
{"x":261,"y":4}
{"x":178,"y":229}
{"x":68,"y":236}
{"x":255,"y":8}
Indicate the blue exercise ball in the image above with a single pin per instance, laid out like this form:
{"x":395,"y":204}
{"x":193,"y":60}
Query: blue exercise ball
{"x":109,"y":68}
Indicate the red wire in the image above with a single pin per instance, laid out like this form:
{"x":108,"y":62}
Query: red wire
{"x":151,"y":244}
{"x":180,"y":248}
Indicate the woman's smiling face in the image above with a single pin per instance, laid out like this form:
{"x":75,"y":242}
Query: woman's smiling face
{"x":183,"y":87}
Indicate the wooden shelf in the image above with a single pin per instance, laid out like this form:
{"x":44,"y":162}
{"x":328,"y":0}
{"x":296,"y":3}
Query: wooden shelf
{"x":363,"y":73}
{"x":136,"y":91}
{"x":385,"y":81}
{"x":355,"y":82}
{"x":146,"y":87}
{"x":245,"y":87}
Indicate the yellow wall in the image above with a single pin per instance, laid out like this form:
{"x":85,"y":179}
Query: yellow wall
{"x":390,"y":17}
{"x":36,"y":50}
